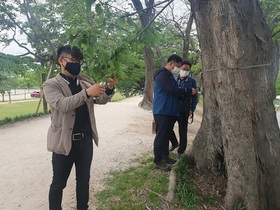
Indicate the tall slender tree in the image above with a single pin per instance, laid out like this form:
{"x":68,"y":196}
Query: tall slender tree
{"x":146,"y":17}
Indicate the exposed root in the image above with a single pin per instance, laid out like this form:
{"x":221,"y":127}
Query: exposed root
{"x":163,"y":199}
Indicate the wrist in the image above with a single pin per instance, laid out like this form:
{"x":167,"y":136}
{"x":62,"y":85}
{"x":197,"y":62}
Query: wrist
{"x":87,"y":93}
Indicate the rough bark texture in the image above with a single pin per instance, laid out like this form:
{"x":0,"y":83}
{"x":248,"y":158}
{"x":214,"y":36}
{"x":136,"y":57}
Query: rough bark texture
{"x":187,"y":35}
{"x":145,"y":17}
{"x":147,"y":101}
{"x":239,"y":134}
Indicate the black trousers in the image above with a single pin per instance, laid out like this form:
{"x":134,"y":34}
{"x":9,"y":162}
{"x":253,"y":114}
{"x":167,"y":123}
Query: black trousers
{"x":164,"y":127}
{"x":183,"y":129}
{"x":81,"y":155}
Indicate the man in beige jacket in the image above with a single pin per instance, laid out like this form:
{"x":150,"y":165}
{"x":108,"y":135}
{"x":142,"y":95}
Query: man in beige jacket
{"x":72,"y":125}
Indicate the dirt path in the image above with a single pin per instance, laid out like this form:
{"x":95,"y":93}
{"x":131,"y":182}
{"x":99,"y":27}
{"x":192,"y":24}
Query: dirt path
{"x":25,"y":164}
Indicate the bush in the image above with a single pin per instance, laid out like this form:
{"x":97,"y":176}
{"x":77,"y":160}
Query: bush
{"x":8,"y":120}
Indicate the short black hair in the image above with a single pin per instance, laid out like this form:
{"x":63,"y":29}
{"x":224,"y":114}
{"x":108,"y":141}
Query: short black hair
{"x":187,"y":63}
{"x":175,"y":58}
{"x":67,"y":49}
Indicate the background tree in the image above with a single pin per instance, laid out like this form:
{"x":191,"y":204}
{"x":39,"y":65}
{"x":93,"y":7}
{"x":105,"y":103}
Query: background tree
{"x":180,"y":36}
{"x":239,"y":135}
{"x":271,"y":12}
{"x":35,"y":21}
{"x":108,"y":36}
{"x":146,"y":17}
{"x":12,"y":70}
{"x":182,"y":26}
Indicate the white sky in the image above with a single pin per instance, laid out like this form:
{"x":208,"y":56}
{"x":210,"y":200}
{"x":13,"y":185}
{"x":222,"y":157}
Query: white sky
{"x":13,"y":49}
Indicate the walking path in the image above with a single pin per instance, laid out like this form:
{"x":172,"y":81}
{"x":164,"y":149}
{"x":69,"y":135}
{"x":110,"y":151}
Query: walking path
{"x":25,"y":164}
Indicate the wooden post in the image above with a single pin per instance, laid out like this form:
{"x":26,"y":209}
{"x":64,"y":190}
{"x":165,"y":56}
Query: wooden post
{"x":41,"y":89}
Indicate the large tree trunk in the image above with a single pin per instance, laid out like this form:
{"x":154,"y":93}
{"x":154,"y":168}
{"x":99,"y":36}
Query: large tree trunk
{"x":239,"y":134}
{"x":145,"y":17}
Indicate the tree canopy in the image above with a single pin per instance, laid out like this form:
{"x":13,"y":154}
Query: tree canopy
{"x":110,"y":36}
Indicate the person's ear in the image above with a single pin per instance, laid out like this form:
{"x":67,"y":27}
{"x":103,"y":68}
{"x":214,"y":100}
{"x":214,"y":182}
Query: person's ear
{"x":171,"y":64}
{"x":60,"y":60}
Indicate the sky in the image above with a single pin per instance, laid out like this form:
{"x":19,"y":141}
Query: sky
{"x":13,"y":49}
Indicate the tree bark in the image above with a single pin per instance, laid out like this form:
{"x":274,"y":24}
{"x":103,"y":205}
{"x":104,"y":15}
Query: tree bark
{"x":186,"y":36}
{"x":239,"y":134}
{"x":145,"y":18}
{"x":147,"y":101}
{"x":10,"y":98}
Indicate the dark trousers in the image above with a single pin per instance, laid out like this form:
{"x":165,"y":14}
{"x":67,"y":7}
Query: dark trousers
{"x":81,"y":155}
{"x":183,"y":129}
{"x":164,"y":127}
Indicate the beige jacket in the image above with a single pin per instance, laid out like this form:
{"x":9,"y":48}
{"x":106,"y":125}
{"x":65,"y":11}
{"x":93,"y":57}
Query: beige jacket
{"x":63,"y":104}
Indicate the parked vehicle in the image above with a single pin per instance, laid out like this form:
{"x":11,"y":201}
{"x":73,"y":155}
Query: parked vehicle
{"x":35,"y":94}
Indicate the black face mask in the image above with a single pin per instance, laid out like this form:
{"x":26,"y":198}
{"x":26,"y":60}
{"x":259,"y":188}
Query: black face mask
{"x":73,"y":68}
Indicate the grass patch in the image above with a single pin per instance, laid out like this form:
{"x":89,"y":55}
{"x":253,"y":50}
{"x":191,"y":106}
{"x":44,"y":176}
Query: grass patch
{"x":199,"y":190}
{"x":21,"y":110}
{"x":133,"y":188}
{"x":200,"y":99}
{"x":185,"y":191}
{"x":18,"y":109}
{"x":117,"y":97}
{"x":8,"y":120}
{"x":27,"y":107}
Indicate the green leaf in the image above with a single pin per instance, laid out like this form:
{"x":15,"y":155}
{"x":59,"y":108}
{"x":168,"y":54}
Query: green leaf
{"x":99,"y":9}
{"x":121,"y":21}
{"x":130,"y":21}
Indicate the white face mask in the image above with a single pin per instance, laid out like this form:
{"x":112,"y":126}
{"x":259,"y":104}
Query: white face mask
{"x":175,"y":70}
{"x":184,"y":73}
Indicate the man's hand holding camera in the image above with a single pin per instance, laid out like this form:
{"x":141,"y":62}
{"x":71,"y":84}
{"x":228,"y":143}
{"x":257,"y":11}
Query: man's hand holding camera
{"x":97,"y":90}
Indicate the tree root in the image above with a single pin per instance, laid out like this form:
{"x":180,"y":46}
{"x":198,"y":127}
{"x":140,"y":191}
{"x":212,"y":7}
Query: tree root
{"x":163,"y":199}
{"x":172,"y":185}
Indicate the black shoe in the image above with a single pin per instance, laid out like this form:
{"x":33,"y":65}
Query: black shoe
{"x":173,"y":147}
{"x":163,"y":166}
{"x":170,"y":161}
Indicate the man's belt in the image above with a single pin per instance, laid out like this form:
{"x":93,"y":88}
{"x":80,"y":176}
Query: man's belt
{"x":77,"y":136}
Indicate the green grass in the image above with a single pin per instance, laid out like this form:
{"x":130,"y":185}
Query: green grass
{"x":16,"y":109}
{"x":134,"y":188}
{"x":185,"y":191}
{"x":20,"y":110}
{"x":117,"y":97}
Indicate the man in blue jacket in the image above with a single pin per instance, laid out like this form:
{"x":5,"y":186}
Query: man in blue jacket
{"x":166,"y":108}
{"x":187,"y":108}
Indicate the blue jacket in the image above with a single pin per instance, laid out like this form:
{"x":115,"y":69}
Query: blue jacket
{"x":167,"y":93}
{"x":187,"y":103}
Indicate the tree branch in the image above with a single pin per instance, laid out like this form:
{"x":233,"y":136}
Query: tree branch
{"x":148,"y":25}
{"x":274,"y":34}
{"x":28,"y":51}
{"x":34,"y":20}
{"x":142,"y":10}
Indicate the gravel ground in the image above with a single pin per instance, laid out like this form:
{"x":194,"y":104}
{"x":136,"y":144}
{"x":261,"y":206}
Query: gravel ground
{"x":25,"y":165}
